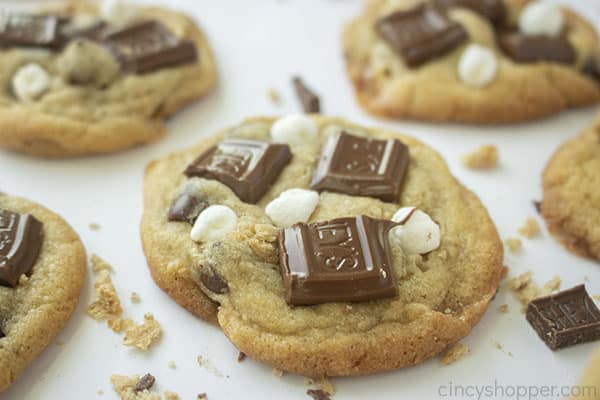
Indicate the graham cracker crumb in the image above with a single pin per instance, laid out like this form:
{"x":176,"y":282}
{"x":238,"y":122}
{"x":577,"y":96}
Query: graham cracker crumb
{"x":485,"y":157}
{"x":171,"y":395}
{"x":505,"y":271}
{"x":454,"y":353}
{"x":503,"y":309}
{"x":530,"y":229}
{"x":274,"y":96}
{"x":144,"y":335}
{"x":94,"y":226}
{"x":277,"y":372}
{"x":241,"y":357}
{"x":172,"y":364}
{"x":526,"y":290}
{"x":106,"y":305}
{"x":99,"y":264}
{"x":514,"y":244}
{"x":125,"y":387}
{"x":135,"y":298}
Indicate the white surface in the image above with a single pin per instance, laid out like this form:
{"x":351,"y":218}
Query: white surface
{"x":261,"y":44}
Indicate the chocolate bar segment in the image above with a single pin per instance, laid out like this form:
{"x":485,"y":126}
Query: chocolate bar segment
{"x":344,"y":259}
{"x":28,"y":30}
{"x":148,"y":46}
{"x":186,"y":208}
{"x":528,"y":49}
{"x":420,"y":34}
{"x":493,"y":10}
{"x":20,"y":243}
{"x":362,"y":167}
{"x":310,"y":101}
{"x":566,"y":318}
{"x":248,"y":167}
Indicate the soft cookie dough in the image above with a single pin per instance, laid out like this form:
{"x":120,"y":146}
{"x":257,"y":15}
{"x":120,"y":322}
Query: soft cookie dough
{"x":92,"y":105}
{"x":441,"y":295}
{"x":434,"y":91}
{"x":35,"y":311}
{"x":572,"y":192}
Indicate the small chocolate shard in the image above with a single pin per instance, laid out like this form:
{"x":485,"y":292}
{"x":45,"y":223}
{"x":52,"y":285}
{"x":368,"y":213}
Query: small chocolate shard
{"x":186,"y":208}
{"x":241,"y":357}
{"x":420,"y":34}
{"x":528,"y":49}
{"x":310,"y":101}
{"x":145,"y":383}
{"x":148,"y":46}
{"x":213,"y":281}
{"x":493,"y":10}
{"x":538,"y":206}
{"x":2,"y":334}
{"x":318,"y":394}
{"x":17,"y":29}
{"x":566,"y":318}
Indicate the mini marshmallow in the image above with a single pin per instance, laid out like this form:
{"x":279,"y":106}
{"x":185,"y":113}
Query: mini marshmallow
{"x":295,"y":130}
{"x":293,"y":205}
{"x":541,"y":18}
{"x":30,"y":82}
{"x":118,"y":11}
{"x":214,"y":223}
{"x":418,"y":234}
{"x":478,"y":66}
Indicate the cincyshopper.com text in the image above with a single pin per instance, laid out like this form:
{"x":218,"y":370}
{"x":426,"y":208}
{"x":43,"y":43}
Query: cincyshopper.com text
{"x":518,"y":392}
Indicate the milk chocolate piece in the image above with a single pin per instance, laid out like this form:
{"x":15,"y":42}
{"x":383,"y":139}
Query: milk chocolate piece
{"x":344,"y":259}
{"x":145,"y":383}
{"x":318,"y":394}
{"x":18,"y":29}
{"x":2,"y":334}
{"x":362,"y":167}
{"x":527,"y":49}
{"x":186,"y":208}
{"x":20,"y":242}
{"x":310,"y":101}
{"x":248,"y":167}
{"x":592,"y":67}
{"x":213,"y":281}
{"x":420,"y":34}
{"x":148,"y":46}
{"x":493,"y":10}
{"x":566,"y":318}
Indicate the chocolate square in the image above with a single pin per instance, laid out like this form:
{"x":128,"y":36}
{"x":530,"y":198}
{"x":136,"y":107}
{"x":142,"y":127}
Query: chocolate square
{"x":344,"y":259}
{"x":248,"y":167}
{"x":29,"y":30}
{"x":493,"y":10}
{"x":420,"y":34}
{"x":20,"y":243}
{"x":528,"y":49}
{"x":148,"y":46}
{"x":566,"y":318}
{"x":362,"y":167}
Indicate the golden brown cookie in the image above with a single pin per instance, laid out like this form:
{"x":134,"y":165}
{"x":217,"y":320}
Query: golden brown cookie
{"x":571,"y":185}
{"x":440,"y":296}
{"x":89,"y":97}
{"x":34,"y":308}
{"x":427,"y":81}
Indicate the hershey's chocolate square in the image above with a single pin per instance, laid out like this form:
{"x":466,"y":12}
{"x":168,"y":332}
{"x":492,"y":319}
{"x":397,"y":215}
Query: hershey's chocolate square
{"x":148,"y":46}
{"x":566,"y":318}
{"x":526,"y":48}
{"x":344,"y":259}
{"x":362,"y":167}
{"x":20,"y":242}
{"x":493,"y":10}
{"x":248,"y":167}
{"x":29,"y":30}
{"x":420,"y":34}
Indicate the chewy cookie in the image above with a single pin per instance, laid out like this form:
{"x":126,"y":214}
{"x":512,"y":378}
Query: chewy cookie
{"x":485,"y":61}
{"x":86,"y":78}
{"x":42,"y":267}
{"x":330,"y":249}
{"x":571,"y":184}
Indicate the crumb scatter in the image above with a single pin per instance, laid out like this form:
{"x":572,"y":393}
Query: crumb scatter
{"x":485,"y":157}
{"x":530,"y":228}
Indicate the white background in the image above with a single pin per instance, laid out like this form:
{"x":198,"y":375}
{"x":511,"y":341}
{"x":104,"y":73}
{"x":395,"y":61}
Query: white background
{"x":260,"y":44}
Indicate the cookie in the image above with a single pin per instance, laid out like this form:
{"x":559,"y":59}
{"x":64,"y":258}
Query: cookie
{"x":571,"y":183}
{"x":86,"y":79}
{"x":42,"y":268}
{"x":495,"y":61}
{"x":385,"y":286}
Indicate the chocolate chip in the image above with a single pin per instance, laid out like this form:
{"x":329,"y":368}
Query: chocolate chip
{"x":186,"y":208}
{"x":213,"y":281}
{"x":145,"y":383}
{"x":310,"y":101}
{"x":529,"y":49}
{"x":241,"y":357}
{"x":318,"y":394}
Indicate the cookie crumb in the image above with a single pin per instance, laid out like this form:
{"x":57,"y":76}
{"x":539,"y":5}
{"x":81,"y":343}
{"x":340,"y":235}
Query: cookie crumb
{"x":503,"y":309}
{"x":498,"y":345}
{"x":277,"y":372}
{"x":530,"y":229}
{"x":136,"y":388}
{"x":318,"y":394}
{"x":454,"y":353}
{"x":241,"y":357}
{"x":135,"y":298}
{"x":514,"y":244}
{"x":201,"y":396}
{"x":106,"y":305}
{"x":274,"y":96}
{"x":526,"y":290}
{"x":172,"y":364}
{"x":99,"y":264}
{"x":596,"y":297}
{"x":144,"y":335}
{"x":94,"y":226}
{"x":171,"y":395}
{"x":485,"y":157}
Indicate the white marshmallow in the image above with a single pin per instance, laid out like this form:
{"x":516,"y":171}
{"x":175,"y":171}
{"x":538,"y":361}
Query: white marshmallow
{"x":213,"y":224}
{"x":118,"y":11}
{"x":295,"y":130}
{"x":293,"y":205}
{"x":541,"y":18}
{"x":30,"y":82}
{"x":418,"y":234}
{"x":477,"y":66}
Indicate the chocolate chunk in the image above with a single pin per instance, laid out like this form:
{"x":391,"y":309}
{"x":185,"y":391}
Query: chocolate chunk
{"x":538,"y":206}
{"x":310,"y":101}
{"x":493,"y":10}
{"x":566,"y":318}
{"x":29,"y":30}
{"x":248,"y":167}
{"x":186,"y":208}
{"x":592,"y":68}
{"x":148,"y":46}
{"x":2,"y":333}
{"x":145,"y":383}
{"x":213,"y":281}
{"x":362,"y":167}
{"x":345,"y":259}
{"x":318,"y":394}
{"x":420,"y":34}
{"x":20,"y":243}
{"x":241,"y":357}
{"x":527,"y":49}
